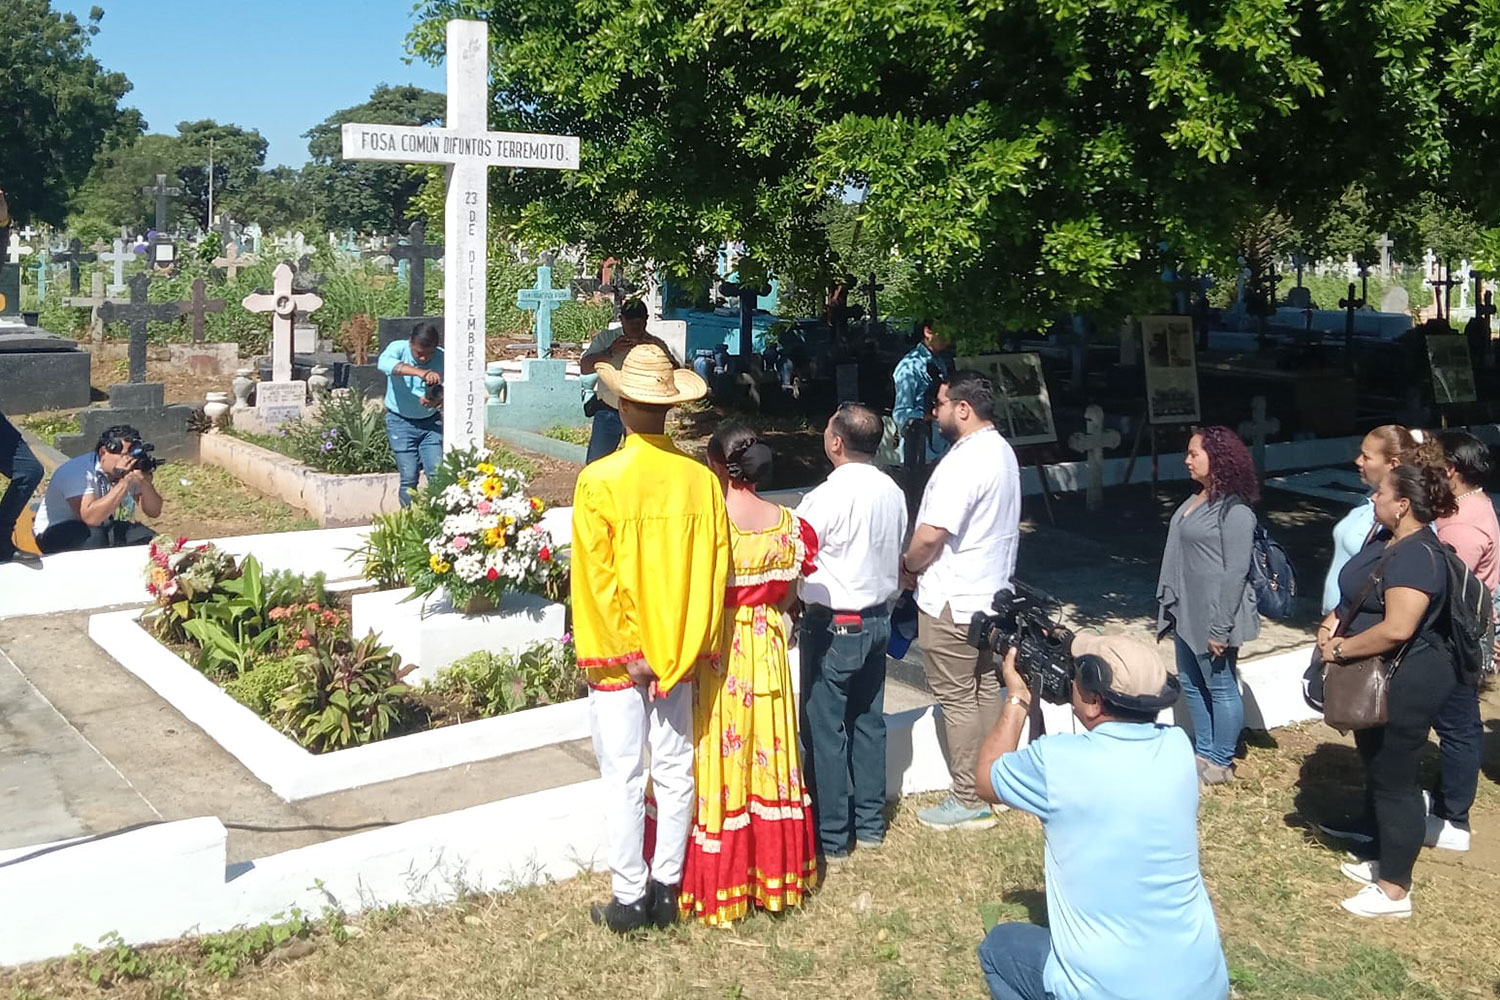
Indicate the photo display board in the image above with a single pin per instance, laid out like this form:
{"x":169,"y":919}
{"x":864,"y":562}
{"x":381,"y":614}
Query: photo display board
{"x":1023,"y":413}
{"x":1171,"y":369}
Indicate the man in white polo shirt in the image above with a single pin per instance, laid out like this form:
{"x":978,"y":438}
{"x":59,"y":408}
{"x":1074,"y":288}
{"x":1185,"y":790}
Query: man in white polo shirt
{"x":859,"y":514}
{"x":962,"y":551}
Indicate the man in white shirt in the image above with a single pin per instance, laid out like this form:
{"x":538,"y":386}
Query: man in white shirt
{"x":859,"y":514}
{"x":91,"y":500}
{"x":962,"y":551}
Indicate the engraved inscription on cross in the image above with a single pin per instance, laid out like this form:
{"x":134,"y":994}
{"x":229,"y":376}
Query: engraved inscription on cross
{"x":415,"y":253}
{"x":468,"y":149}
{"x":137,"y":313}
{"x":284,"y":303}
{"x":543,"y":298}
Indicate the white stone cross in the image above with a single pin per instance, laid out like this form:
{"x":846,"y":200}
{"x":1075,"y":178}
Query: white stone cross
{"x":117,"y":261}
{"x":468,"y":149}
{"x":28,"y":234}
{"x":17,"y":249}
{"x":285,"y":304}
{"x":1093,"y":440}
{"x":1384,"y":245}
{"x":1256,"y":429}
{"x":231,"y":262}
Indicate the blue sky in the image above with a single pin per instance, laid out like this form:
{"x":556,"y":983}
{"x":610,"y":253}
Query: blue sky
{"x":276,"y":66}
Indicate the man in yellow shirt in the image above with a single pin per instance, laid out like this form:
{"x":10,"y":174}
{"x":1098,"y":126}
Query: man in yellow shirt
{"x":650,"y":561}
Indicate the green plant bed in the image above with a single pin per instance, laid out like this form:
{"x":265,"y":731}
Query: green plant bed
{"x":572,"y":435}
{"x":344,"y":437}
{"x":281,"y":645}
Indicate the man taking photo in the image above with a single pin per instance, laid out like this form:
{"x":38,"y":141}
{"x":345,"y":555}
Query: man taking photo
{"x":1129,"y":917}
{"x":91,"y":500}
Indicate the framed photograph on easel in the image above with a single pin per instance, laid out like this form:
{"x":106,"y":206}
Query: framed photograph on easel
{"x":1171,"y":370}
{"x":1452,"y":370}
{"x":1023,"y":412}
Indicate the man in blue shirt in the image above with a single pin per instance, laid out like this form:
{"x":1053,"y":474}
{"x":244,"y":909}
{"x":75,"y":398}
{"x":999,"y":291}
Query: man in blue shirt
{"x":1129,"y":916}
{"x":413,"y":397}
{"x":916,"y":377}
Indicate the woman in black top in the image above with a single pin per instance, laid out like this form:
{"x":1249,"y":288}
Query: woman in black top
{"x":1402,"y":610}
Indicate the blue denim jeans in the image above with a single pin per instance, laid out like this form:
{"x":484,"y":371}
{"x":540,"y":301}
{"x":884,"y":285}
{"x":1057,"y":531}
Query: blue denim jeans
{"x":1013,"y":957}
{"x":1211,"y":689}
{"x":25,"y":473}
{"x":418,"y":445}
{"x":605,"y":435}
{"x":843,"y":731}
{"x":1460,"y":749}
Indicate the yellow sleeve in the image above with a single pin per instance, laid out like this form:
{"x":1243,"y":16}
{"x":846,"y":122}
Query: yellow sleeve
{"x":604,"y":637}
{"x":721,"y":572}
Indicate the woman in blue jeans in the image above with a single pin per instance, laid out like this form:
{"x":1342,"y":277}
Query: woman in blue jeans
{"x":1204,"y":595}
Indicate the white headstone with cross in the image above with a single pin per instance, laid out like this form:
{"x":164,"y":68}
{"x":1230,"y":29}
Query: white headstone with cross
{"x":281,"y":399}
{"x":17,"y":249}
{"x":1256,"y":429}
{"x":1092,"y":441}
{"x":468,"y":149}
{"x":1384,"y":245}
{"x":117,"y":260}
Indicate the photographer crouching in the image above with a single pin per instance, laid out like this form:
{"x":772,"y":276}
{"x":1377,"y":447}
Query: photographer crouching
{"x":91,"y":500}
{"x":1129,"y":916}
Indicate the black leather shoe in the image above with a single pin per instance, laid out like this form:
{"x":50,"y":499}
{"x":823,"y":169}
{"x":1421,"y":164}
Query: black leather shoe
{"x":663,"y":908}
{"x":622,"y":918}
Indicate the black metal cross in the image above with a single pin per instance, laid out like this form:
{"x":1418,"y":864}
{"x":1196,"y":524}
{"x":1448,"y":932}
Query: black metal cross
{"x":749,"y":296}
{"x":1442,"y":286}
{"x":871,"y":288}
{"x":137,"y":313}
{"x":619,"y":290}
{"x":72,"y":257}
{"x":416,"y":252}
{"x":1349,"y":303}
{"x":161,"y":192}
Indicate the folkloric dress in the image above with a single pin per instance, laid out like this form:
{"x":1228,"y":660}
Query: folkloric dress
{"x":753,"y":838}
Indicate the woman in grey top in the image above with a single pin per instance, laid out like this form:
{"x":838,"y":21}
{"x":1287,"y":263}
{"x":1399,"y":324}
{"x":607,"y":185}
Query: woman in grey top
{"x":1204,"y":595}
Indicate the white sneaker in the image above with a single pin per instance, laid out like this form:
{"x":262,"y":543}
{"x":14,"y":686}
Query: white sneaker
{"x":1364,"y":872}
{"x":1445,"y":834}
{"x":1371,"y":901}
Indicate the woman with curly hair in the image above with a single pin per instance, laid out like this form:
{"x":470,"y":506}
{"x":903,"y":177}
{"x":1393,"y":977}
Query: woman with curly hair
{"x":1204,"y":595}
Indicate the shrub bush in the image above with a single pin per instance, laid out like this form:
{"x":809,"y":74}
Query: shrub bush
{"x":345,"y":437}
{"x":499,"y":683}
{"x":259,"y":687}
{"x":345,"y":695}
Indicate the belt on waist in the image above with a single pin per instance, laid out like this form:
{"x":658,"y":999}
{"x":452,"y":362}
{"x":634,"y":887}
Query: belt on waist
{"x":873,"y":611}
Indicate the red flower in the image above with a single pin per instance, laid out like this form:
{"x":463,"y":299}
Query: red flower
{"x":301,"y":644}
{"x":545,"y":555}
{"x":181,"y":540}
{"x":493,"y":574}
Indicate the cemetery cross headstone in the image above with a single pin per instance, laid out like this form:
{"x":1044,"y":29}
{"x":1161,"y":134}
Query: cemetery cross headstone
{"x":73,"y":256}
{"x":231,"y":262}
{"x":1349,"y":303}
{"x":415,"y":253}
{"x":43,"y":265}
{"x":199,"y":307}
{"x":284,"y":303}
{"x":1384,"y":245}
{"x":1092,"y":441}
{"x":1441,"y":286}
{"x":872,"y":288}
{"x":1258,"y":426}
{"x":542,"y":298}
{"x":116,"y":260}
{"x":17,"y":249}
{"x":468,"y":149}
{"x":137,"y":313}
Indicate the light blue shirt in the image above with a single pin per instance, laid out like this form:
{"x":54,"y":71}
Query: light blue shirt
{"x":403,"y":393}
{"x":913,"y":382}
{"x":1130,"y":917}
{"x":1349,"y":536}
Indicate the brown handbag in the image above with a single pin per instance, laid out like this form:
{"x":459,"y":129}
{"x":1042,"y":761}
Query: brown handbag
{"x":1356,"y":694}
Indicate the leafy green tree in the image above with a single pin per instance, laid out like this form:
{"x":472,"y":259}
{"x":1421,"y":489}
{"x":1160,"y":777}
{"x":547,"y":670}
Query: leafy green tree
{"x":238,"y":155}
{"x":111,"y":196}
{"x":369,"y":197}
{"x":58,"y":106}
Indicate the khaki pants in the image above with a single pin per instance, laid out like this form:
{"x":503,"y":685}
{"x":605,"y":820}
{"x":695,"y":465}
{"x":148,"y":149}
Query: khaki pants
{"x":964,"y":681}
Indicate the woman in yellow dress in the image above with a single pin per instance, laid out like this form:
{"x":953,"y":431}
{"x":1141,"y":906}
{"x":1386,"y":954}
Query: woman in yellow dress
{"x":753,"y":840}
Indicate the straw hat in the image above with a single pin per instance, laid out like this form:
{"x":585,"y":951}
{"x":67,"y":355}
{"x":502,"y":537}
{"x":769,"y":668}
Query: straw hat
{"x":647,"y":375}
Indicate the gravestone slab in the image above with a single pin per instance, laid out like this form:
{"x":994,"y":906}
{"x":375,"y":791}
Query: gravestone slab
{"x":40,"y":370}
{"x":541,"y":396}
{"x":1395,"y":300}
{"x":304,"y":338}
{"x":143,"y":406}
{"x":279,"y":402}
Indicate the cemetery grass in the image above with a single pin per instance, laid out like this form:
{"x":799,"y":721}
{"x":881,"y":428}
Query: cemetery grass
{"x":205,"y":501}
{"x":904,"y":922}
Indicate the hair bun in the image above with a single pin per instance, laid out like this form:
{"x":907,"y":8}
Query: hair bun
{"x":750,"y":463}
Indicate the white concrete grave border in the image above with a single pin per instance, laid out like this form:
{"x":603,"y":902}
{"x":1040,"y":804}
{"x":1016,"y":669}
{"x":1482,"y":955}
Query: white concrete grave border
{"x":295,"y":773}
{"x":172,"y":879}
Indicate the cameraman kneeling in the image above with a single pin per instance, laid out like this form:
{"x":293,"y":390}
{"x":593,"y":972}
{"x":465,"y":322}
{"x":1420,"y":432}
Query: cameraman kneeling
{"x":91,"y":500}
{"x":1130,"y":917}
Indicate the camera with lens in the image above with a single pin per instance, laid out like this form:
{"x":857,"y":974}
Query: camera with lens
{"x":1023,"y":621}
{"x":144,"y":460}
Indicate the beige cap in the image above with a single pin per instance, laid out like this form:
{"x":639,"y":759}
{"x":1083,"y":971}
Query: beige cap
{"x":1135,"y":668}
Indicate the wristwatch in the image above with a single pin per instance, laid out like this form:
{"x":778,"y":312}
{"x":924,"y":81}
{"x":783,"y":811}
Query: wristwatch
{"x":1022,"y":702}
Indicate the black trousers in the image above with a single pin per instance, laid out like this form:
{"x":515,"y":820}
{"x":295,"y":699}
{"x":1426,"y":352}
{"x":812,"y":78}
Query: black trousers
{"x":73,"y":536}
{"x":1421,"y":686}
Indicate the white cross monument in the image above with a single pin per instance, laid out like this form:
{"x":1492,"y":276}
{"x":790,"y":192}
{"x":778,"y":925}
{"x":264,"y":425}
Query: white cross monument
{"x":281,"y":399}
{"x":117,"y":260}
{"x":468,"y":149}
{"x":17,"y":249}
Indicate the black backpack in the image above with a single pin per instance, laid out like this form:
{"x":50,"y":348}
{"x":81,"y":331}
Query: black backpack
{"x":1271,"y":575}
{"x":1471,"y":619}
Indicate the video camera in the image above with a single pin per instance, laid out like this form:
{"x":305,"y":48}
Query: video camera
{"x":144,"y":460}
{"x":1023,"y":621}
